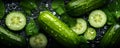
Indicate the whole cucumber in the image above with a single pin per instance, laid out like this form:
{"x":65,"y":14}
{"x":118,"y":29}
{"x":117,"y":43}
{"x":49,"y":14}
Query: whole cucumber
{"x":79,"y":7}
{"x":9,"y":38}
{"x":58,"y":30}
{"x":111,"y":37}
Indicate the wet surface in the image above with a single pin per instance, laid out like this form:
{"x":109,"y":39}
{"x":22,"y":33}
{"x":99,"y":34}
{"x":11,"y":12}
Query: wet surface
{"x":14,"y":6}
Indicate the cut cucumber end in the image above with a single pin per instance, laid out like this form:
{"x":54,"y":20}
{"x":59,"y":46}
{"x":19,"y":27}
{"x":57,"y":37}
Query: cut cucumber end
{"x":38,"y":41}
{"x":97,"y":18}
{"x":80,"y":26}
{"x":90,"y":34}
{"x":15,"y":21}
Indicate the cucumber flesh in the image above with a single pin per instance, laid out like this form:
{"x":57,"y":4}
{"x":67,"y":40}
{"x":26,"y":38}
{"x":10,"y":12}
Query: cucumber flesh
{"x":97,"y":18}
{"x":90,"y":34}
{"x":15,"y":21}
{"x":38,"y":41}
{"x":80,"y":26}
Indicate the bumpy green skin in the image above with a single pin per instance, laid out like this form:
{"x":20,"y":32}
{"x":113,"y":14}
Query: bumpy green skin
{"x":111,"y":37}
{"x":2,"y":9}
{"x":9,"y":38}
{"x":58,"y":30}
{"x":31,"y":28}
{"x":79,"y":7}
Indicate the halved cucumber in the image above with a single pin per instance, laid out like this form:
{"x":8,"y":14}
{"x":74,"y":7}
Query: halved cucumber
{"x":80,"y":26}
{"x":90,"y":34}
{"x":38,"y":41}
{"x":15,"y":20}
{"x":97,"y":18}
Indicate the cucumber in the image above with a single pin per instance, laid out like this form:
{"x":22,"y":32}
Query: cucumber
{"x":80,"y":26}
{"x":80,"y":7}
{"x":58,"y":30}
{"x":15,"y":20}
{"x":2,"y":9}
{"x":31,"y":28}
{"x":90,"y":33}
{"x":11,"y":39}
{"x":38,"y":41}
{"x":111,"y":37}
{"x":97,"y":18}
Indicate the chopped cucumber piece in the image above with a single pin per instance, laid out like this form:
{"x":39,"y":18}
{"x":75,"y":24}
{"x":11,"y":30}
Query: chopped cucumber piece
{"x":15,"y":20}
{"x":90,"y":34}
{"x":38,"y":41}
{"x":97,"y":18}
{"x":80,"y":26}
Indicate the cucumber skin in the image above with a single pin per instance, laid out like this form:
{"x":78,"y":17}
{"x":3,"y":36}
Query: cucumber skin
{"x":2,"y":9}
{"x":9,"y":38}
{"x":79,"y":7}
{"x":58,"y":30}
{"x":109,"y":39}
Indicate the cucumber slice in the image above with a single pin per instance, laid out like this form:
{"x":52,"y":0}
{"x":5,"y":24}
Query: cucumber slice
{"x":15,"y":21}
{"x":38,"y":41}
{"x":80,"y":26}
{"x":97,"y":18}
{"x":90,"y":34}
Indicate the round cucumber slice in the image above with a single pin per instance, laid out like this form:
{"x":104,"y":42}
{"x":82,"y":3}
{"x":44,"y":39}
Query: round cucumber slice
{"x":80,"y":26}
{"x":90,"y":34}
{"x":15,"y":21}
{"x":97,"y":18}
{"x":38,"y":41}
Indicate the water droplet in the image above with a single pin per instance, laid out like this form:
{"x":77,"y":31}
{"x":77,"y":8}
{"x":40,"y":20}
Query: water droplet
{"x":59,"y":29}
{"x":59,"y":17}
{"x":62,"y":34}
{"x":45,"y":27}
{"x":46,"y":5}
{"x":66,"y":36}
{"x":51,"y":31}
{"x":75,"y":42}
{"x":54,"y":13}
{"x":2,"y":38}
{"x":55,"y":35}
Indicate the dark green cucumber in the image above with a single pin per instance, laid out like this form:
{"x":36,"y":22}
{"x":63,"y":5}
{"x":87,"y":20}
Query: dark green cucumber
{"x":111,"y":36}
{"x":2,"y":9}
{"x":9,"y":38}
{"x":79,"y":7}
{"x":58,"y":30}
